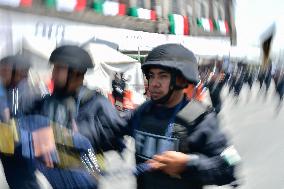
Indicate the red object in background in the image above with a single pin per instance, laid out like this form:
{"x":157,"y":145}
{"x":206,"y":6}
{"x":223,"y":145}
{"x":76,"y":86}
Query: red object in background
{"x":50,"y":86}
{"x":127,"y":100}
{"x":81,"y":5}
{"x":190,"y":90}
{"x":26,"y":3}
{"x":125,"y":104}
{"x":110,"y":98}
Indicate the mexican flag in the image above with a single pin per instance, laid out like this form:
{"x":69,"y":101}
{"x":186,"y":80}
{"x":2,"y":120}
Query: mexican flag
{"x":179,"y":24}
{"x":205,"y":23}
{"x":142,"y":13}
{"x":221,"y":26}
{"x":110,"y":8}
{"x":16,"y":3}
{"x":67,"y":5}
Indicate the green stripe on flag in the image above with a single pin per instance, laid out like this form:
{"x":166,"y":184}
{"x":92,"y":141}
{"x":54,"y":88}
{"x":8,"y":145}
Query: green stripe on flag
{"x":50,"y":3}
{"x":132,"y":11}
{"x":172,"y":23}
{"x":216,"y":25}
{"x":199,"y":22}
{"x":98,"y":6}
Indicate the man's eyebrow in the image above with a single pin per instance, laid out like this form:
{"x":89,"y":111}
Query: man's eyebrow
{"x":163,"y":72}
{"x":159,"y":73}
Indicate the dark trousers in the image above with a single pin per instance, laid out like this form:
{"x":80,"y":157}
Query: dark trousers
{"x":19,"y":172}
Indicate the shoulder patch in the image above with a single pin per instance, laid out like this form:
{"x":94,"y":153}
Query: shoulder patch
{"x":193,"y":113}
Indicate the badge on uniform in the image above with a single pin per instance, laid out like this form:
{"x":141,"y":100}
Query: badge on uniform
{"x":231,"y":155}
{"x":7,"y":143}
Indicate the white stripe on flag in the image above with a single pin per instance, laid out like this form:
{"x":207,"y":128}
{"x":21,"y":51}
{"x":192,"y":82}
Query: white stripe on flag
{"x":66,"y":5}
{"x":222,"y":26}
{"x":179,"y":24}
{"x":110,"y":8}
{"x":144,"y":13}
{"x":205,"y":24}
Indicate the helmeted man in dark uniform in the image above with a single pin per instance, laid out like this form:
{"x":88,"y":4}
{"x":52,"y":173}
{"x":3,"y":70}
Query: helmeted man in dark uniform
{"x":178,"y":139}
{"x":20,"y":98}
{"x":80,"y":110}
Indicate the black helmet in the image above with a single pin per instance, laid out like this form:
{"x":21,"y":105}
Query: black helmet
{"x":174,"y":56}
{"x":19,"y":62}
{"x":8,"y":60}
{"x":73,"y":56}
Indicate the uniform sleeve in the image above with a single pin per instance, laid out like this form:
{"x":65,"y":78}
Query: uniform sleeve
{"x":209,"y":164}
{"x":105,"y":128}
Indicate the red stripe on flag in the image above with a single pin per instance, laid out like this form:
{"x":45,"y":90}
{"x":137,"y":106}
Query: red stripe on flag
{"x":227,"y":27}
{"x":81,"y":4}
{"x":121,"y":9}
{"x":210,"y":24}
{"x":153,"y":15}
{"x":185,"y":26}
{"x":26,"y":3}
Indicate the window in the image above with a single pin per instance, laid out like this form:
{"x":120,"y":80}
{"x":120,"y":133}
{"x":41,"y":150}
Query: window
{"x":153,"y":4}
{"x":178,"y":6}
{"x":157,"y":6}
{"x":220,"y":13}
{"x":215,"y":10}
{"x":175,"y":7}
{"x":188,"y":7}
{"x":202,"y":10}
{"x":140,"y":3}
{"x":189,"y":10}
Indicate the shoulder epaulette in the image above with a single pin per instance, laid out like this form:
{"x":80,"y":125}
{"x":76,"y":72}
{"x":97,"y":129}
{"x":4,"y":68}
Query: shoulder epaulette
{"x":193,"y":113}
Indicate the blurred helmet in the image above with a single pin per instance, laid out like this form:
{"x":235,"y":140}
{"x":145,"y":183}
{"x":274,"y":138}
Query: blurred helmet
{"x":7,"y":60}
{"x":73,"y":56}
{"x":18,"y":62}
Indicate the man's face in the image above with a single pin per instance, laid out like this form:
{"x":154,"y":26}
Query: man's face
{"x":59,"y":76}
{"x":19,"y":76}
{"x":159,"y":82}
{"x":6,"y":74}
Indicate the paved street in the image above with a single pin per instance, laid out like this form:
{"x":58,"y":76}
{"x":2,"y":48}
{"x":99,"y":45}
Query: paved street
{"x":254,"y":128}
{"x":257,"y":132}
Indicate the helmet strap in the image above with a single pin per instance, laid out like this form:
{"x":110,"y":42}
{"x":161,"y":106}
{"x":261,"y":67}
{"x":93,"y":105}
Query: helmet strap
{"x":11,"y":84}
{"x":69,"y":79}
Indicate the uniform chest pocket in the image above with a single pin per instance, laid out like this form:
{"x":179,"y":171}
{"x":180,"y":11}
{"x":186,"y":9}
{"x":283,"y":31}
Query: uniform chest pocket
{"x":181,"y":133}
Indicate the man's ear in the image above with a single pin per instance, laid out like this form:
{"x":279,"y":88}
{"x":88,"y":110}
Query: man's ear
{"x":181,"y":81}
{"x":80,"y":75}
{"x":77,"y":74}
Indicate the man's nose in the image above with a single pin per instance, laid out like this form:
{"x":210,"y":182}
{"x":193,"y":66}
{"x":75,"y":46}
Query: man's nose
{"x":155,"y":82}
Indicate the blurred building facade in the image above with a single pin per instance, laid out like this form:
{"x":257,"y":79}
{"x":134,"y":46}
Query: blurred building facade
{"x":214,"y":18}
{"x":211,"y":11}
{"x":134,"y":27}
